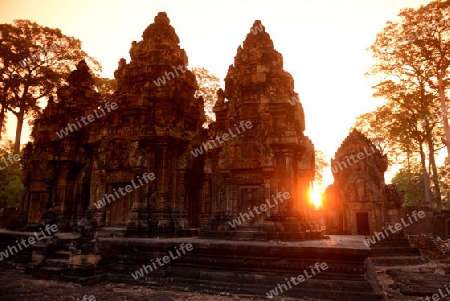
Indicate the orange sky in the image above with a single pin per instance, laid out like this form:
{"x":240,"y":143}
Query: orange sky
{"x":323,"y":44}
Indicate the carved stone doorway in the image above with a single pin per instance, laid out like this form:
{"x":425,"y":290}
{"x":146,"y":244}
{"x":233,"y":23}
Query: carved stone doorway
{"x":120,"y":208}
{"x":249,"y":196}
{"x":362,"y":223}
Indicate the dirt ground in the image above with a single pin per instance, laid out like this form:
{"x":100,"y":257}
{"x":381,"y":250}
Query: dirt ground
{"x":19,"y":286}
{"x":399,"y":283}
{"x":16,"y":285}
{"x":405,"y":282}
{"x":415,"y":282}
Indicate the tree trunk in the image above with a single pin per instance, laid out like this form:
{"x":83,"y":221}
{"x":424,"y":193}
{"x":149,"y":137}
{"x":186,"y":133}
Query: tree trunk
{"x":441,"y":91}
{"x":2,"y":120}
{"x":435,"y":175}
{"x":20,"y":117}
{"x":426,"y":179}
{"x":4,"y":109}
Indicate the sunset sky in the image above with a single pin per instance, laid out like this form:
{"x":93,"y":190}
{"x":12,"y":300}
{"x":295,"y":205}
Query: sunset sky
{"x":323,"y":44}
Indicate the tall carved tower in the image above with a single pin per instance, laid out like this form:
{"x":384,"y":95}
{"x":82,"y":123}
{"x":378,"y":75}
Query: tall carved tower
{"x":157,"y":120}
{"x":57,"y":165}
{"x":155,"y":127}
{"x":273,"y":155}
{"x":151,"y":129}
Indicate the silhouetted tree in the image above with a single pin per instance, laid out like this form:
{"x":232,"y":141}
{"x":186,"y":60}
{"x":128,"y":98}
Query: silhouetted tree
{"x":415,"y":52}
{"x":34,"y":61}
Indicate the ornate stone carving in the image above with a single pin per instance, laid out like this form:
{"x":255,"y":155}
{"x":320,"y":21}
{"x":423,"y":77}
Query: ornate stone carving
{"x":156,"y":126}
{"x":88,"y":225}
{"x":358,"y":169}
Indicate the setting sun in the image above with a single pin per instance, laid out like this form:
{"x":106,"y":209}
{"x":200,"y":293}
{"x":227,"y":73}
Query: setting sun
{"x":315,"y":196}
{"x":223,"y":150}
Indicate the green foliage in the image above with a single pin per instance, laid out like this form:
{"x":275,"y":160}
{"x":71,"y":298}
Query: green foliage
{"x":411,"y":182}
{"x":11,"y":187}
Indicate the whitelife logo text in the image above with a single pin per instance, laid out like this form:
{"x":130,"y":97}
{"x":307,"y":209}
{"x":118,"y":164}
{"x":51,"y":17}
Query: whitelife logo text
{"x":359,"y":156}
{"x":90,"y":118}
{"x":162,"y":79}
{"x":110,"y":198}
{"x":282,"y":287}
{"x":199,"y":150}
{"x":397,"y":226}
{"x":435,"y":297}
{"x":36,"y":56}
{"x":12,"y":249}
{"x":166,"y":259}
{"x":243,"y":217}
{"x":257,"y":29}
{"x":12,"y":158}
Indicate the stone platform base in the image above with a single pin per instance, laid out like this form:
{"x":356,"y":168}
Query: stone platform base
{"x":245,"y":268}
{"x":226,"y":267}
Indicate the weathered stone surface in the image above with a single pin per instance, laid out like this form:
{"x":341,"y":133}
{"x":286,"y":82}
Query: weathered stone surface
{"x":273,"y":155}
{"x":56,"y":171}
{"x":153,"y":123}
{"x":154,"y":127}
{"x":220,"y":266}
{"x":359,"y":201}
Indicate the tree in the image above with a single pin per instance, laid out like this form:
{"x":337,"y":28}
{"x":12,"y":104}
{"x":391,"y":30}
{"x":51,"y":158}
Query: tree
{"x":34,"y":62}
{"x":444,"y":177}
{"x":409,"y":70}
{"x":208,"y":85}
{"x":321,"y":164}
{"x":105,"y":86}
{"x":399,"y":124}
{"x":11,"y":187}
{"x":411,"y":182}
{"x":416,"y":51}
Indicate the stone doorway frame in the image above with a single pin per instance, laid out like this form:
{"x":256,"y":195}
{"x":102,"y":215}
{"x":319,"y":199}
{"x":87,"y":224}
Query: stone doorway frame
{"x":362,"y":223}
{"x":120,"y":207}
{"x":255,"y":199}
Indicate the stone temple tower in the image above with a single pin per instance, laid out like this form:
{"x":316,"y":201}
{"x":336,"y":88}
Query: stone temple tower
{"x":57,"y":165}
{"x":359,"y":201}
{"x":100,"y":164}
{"x":158,"y":118}
{"x":273,"y":156}
{"x":155,"y":127}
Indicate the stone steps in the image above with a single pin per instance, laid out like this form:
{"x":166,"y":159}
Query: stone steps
{"x":61,"y":254}
{"x":245,"y":232}
{"x":398,"y":260}
{"x":57,"y":263}
{"x":244,"y":236}
{"x":111,"y":232}
{"x":395,"y":250}
{"x":393,"y":245}
{"x":228,"y":267}
{"x":251,"y":268}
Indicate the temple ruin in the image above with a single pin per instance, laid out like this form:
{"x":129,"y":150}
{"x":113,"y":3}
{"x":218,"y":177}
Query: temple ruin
{"x":150,"y":179}
{"x":359,"y":200}
{"x":156,"y":128}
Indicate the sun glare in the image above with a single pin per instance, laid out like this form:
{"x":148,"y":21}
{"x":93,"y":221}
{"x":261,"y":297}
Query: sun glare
{"x":315,"y":197}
